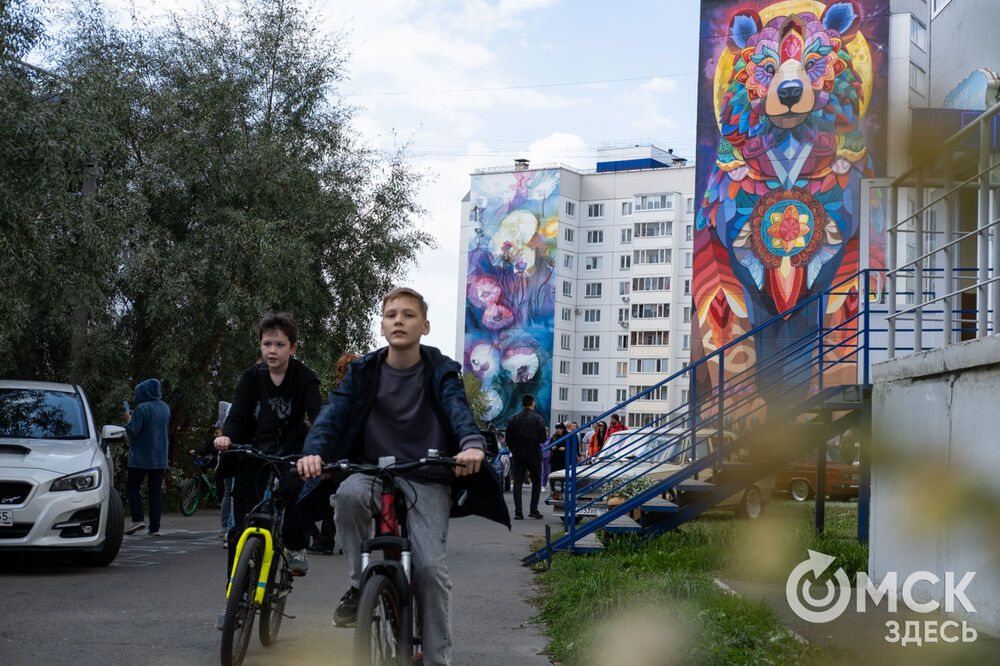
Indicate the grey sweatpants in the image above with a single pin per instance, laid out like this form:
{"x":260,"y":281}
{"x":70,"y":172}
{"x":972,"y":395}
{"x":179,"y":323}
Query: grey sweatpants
{"x":428,"y":529}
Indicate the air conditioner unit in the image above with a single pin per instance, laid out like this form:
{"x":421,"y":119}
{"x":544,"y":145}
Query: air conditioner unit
{"x":623,"y":324}
{"x":625,"y":298}
{"x":577,"y":311}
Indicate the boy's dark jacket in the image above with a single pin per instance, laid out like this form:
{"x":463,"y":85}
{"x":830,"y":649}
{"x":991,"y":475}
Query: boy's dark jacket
{"x":338,"y":432}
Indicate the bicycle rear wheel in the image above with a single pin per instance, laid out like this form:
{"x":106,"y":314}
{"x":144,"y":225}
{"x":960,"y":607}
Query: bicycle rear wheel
{"x":273,"y":609}
{"x":378,"y":636}
{"x":190,"y":495}
{"x":240,"y":607}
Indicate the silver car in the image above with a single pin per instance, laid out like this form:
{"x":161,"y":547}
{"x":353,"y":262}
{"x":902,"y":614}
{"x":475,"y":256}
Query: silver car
{"x":56,"y":481}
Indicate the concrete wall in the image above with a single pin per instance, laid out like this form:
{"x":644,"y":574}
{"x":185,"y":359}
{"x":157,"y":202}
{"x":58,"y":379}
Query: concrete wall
{"x":936,"y":472}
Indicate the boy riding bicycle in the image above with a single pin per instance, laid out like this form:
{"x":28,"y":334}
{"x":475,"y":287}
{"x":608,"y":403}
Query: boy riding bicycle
{"x":400,"y":401}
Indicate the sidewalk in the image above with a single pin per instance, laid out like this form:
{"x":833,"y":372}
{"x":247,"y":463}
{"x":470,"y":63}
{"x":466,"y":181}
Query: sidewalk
{"x":859,"y":638}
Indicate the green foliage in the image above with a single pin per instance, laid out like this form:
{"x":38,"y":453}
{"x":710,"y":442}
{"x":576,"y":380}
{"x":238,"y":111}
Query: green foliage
{"x":581,"y":597}
{"x":633,"y":487}
{"x":478,"y":401}
{"x":230,"y":183}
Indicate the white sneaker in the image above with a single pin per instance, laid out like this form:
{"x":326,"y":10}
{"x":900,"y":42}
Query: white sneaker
{"x":134,"y":527}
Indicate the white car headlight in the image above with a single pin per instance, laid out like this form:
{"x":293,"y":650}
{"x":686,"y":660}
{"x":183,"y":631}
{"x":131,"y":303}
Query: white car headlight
{"x":81,"y":481}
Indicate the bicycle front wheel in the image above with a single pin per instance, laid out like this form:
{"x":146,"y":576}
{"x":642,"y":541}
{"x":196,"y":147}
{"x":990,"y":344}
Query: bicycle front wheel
{"x":190,"y":495}
{"x":240,"y":607}
{"x":279,"y":586}
{"x":378,"y":636}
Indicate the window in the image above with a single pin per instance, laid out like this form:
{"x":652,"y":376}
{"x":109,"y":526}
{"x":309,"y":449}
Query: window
{"x":659,"y":393}
{"x":625,"y":262}
{"x":563,"y":367}
{"x":593,"y":290}
{"x":687,"y":287}
{"x":622,"y":314}
{"x":592,"y":315}
{"x":591,"y":368}
{"x":568,"y":235}
{"x":588,"y":395}
{"x":591,"y":342}
{"x":567,"y":314}
{"x":571,"y":209}
{"x":689,"y":205}
{"x":567,"y":288}
{"x":648,"y":365}
{"x":650,"y":338}
{"x":626,"y":236}
{"x":654,"y":202}
{"x":622,"y":342}
{"x":623,"y":288}
{"x":917,"y":78}
{"x":568,"y":261}
{"x":688,"y":259}
{"x":563,"y":393}
{"x":653,"y":229}
{"x":595,"y":210}
{"x":621,"y":395}
{"x":684,"y":395}
{"x":918,"y":34}
{"x":651,"y":284}
{"x":688,"y":232}
{"x":564,"y":341}
{"x":643,"y":419}
{"x":650,"y":310}
{"x":593,"y":263}
{"x":595,"y":236}
{"x":661,"y":256}
{"x":626,"y":208}
{"x":621,"y":368}
{"x":686,"y":343}
{"x":687,"y":313}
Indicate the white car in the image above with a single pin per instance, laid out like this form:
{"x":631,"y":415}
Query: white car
{"x":57,"y":489}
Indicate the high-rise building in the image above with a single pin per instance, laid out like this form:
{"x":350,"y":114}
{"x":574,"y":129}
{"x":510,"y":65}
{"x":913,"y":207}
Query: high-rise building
{"x":576,"y":284}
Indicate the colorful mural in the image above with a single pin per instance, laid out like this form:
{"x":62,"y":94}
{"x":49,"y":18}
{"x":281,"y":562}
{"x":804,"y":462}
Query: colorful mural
{"x":791,"y":110}
{"x":510,"y":297}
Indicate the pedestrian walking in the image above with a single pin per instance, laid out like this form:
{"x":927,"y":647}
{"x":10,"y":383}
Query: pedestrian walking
{"x":147,"y":427}
{"x":525,"y":434}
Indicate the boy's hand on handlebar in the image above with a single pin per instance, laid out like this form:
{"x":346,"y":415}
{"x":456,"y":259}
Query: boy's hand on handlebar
{"x":222,"y":443}
{"x":310,"y":466}
{"x":471,"y":459}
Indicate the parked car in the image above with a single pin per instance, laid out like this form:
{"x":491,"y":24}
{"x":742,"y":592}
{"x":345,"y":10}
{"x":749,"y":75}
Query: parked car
{"x":799,"y":478}
{"x":668,"y":453}
{"x":56,"y":480}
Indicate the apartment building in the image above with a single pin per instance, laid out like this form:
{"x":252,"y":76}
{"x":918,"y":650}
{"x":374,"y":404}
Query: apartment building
{"x":576,"y":284}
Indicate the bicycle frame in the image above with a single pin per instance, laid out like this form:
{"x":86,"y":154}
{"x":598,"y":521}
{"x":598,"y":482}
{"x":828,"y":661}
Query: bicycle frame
{"x":271,"y":516}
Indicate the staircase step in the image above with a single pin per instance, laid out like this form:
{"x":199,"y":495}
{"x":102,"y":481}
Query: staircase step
{"x":660,"y":505}
{"x":622,"y":524}
{"x":588,"y":544}
{"x":696,"y":486}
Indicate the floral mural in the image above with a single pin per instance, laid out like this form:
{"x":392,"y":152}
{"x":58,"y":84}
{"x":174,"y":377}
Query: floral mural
{"x":510,"y":294}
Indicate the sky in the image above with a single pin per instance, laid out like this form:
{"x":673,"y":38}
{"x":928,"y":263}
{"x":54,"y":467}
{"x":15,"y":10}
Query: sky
{"x":478,"y":83}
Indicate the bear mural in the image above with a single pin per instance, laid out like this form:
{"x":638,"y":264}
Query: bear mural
{"x":780,"y":167}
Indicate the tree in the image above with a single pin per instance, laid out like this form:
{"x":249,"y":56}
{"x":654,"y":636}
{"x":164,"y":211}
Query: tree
{"x":478,"y":400}
{"x":231,"y":184}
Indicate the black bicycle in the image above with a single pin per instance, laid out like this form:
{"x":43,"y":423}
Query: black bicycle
{"x":193,"y":490}
{"x":388,"y":630}
{"x":260,"y":579}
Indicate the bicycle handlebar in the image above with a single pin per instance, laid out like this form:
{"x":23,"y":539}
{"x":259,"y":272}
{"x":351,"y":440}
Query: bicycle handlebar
{"x":394,"y":467}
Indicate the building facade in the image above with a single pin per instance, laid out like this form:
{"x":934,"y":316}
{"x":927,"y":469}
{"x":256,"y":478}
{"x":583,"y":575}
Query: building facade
{"x":587,"y":276}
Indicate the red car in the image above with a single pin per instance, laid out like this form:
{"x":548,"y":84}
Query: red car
{"x":799,"y":478}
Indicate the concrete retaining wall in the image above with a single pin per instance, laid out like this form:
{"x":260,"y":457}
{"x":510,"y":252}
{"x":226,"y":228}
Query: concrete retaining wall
{"x":936,"y":472}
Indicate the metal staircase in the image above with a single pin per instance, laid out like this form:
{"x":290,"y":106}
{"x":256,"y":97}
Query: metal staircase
{"x":724,"y":443}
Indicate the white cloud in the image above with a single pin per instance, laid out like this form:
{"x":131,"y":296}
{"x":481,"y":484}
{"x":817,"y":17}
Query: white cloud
{"x":562,"y":148}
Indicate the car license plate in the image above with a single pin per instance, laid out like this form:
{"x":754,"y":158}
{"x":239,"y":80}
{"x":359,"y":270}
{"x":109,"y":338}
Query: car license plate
{"x":6,"y":518}
{"x":591,"y":511}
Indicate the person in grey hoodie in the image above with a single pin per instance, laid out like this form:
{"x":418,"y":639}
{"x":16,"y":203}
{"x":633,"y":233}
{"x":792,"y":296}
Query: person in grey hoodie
{"x":147,"y":429}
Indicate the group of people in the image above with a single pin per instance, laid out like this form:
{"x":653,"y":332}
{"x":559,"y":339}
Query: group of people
{"x":400,"y":400}
{"x":535,"y":454}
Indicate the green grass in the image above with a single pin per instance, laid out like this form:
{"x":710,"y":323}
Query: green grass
{"x":657,"y":597}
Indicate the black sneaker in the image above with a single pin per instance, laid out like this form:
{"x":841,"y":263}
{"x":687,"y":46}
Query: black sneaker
{"x":518,"y":515}
{"x":536,"y":515}
{"x":346,"y":614}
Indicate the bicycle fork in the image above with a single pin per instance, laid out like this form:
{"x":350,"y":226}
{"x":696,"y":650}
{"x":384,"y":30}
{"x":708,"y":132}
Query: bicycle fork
{"x":265,"y":567}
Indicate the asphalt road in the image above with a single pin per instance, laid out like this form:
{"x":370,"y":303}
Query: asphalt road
{"x":157,"y":603}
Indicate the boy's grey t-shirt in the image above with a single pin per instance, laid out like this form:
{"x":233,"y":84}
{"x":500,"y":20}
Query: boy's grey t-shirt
{"x":402,"y":422}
